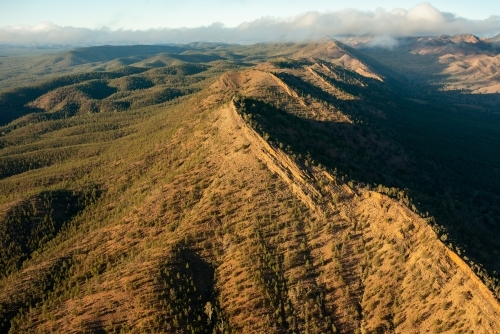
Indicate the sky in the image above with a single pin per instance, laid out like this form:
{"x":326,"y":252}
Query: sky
{"x":237,"y":21}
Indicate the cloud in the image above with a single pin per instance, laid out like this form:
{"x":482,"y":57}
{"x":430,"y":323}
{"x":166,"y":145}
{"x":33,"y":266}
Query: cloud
{"x":421,"y":20}
{"x":385,"y":41}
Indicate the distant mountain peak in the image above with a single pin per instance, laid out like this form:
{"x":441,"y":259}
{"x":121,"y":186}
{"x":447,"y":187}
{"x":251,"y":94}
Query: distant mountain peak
{"x":494,"y":39}
{"x":467,"y":38}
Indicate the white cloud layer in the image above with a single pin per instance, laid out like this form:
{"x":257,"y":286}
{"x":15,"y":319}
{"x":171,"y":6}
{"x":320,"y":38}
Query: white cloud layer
{"x":421,"y":20}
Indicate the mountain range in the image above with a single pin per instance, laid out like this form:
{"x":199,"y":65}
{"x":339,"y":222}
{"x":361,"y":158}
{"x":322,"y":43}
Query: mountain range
{"x":339,"y":186}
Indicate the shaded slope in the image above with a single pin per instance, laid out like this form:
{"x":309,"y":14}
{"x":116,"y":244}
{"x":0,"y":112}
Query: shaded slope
{"x":402,"y":146}
{"x":404,"y":218}
{"x":456,"y":63}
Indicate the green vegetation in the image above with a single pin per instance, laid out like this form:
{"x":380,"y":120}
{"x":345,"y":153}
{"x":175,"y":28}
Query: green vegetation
{"x":29,"y":225}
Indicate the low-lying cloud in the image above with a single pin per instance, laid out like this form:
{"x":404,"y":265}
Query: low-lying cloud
{"x":384,"y":41}
{"x":421,"y":20}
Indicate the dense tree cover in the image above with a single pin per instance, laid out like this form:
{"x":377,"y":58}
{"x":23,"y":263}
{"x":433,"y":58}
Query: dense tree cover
{"x":29,"y":225}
